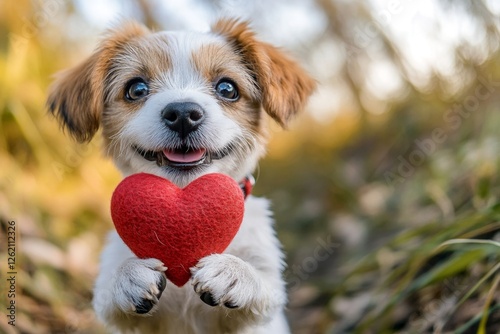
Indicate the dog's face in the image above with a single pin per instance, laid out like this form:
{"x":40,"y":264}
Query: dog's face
{"x":181,"y":104}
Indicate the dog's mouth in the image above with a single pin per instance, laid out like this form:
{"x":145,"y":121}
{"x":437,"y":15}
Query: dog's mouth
{"x":183,"y":158}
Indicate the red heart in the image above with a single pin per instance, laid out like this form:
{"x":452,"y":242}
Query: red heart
{"x":156,"y":219}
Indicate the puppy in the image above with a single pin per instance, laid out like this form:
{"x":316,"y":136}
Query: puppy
{"x":181,"y":105}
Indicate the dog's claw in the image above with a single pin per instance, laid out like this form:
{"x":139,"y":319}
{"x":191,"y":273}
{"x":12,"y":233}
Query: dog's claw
{"x":208,"y":299}
{"x":144,"y":307}
{"x":230,"y":305}
{"x":147,"y":303}
{"x":161,"y":285}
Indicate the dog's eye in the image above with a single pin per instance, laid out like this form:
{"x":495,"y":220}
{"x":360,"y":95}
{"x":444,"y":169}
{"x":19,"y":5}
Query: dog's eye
{"x":136,"y":89}
{"x":227,"y":89}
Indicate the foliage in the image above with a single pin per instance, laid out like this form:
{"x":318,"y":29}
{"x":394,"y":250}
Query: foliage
{"x":382,"y":194}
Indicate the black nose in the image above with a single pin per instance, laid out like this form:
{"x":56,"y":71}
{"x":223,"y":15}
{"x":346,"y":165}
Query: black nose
{"x":183,"y":117}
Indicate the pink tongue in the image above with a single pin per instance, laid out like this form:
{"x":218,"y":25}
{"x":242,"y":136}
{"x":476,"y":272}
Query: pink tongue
{"x":185,"y":157}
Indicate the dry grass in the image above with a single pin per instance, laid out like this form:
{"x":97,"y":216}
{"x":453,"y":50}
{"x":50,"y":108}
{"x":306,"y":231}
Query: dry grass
{"x":392,"y":267}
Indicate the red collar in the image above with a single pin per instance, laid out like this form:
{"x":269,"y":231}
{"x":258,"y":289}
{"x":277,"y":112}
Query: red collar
{"x":246,"y":185}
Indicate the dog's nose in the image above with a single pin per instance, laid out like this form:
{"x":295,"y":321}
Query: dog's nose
{"x":183,"y":117}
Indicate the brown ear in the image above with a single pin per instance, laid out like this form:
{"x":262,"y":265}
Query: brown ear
{"x":76,"y":97}
{"x":285,"y":86}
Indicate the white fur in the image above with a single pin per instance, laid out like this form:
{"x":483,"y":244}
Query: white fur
{"x":248,"y":274}
{"x":182,"y":44}
{"x":253,"y":258}
{"x":182,"y":83}
{"x":147,"y":130}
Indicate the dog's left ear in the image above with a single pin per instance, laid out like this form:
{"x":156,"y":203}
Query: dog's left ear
{"x":284,"y":85}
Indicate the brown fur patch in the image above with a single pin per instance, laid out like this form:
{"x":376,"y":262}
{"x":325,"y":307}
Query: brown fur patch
{"x":77,"y":96}
{"x":146,"y":58}
{"x":284,"y":84}
{"x":217,"y":61}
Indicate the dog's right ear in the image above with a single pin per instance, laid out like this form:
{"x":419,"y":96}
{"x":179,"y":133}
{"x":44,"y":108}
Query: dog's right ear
{"x":76,"y":97}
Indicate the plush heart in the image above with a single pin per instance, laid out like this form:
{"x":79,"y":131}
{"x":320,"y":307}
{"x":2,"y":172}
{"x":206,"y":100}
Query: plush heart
{"x":156,"y":219}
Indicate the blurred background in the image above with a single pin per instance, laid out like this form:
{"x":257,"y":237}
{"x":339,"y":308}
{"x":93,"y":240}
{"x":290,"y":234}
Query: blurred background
{"x":396,"y":155}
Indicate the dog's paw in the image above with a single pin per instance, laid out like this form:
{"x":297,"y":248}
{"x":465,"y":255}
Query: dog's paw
{"x":223,"y":279}
{"x":138,"y":285}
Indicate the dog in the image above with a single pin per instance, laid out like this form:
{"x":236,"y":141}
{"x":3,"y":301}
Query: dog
{"x":180,"y":105}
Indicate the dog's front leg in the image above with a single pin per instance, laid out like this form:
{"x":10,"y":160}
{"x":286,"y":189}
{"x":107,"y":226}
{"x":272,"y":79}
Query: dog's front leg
{"x":126,"y":285}
{"x":237,"y":288}
{"x":244,"y":285}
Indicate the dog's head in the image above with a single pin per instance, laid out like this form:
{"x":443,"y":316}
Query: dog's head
{"x":181,"y":104}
